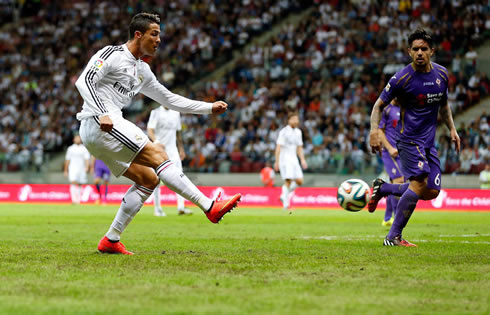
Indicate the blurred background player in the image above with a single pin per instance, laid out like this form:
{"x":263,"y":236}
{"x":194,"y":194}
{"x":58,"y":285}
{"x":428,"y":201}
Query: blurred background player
{"x":101,"y":173}
{"x":110,"y":80}
{"x":77,"y":162}
{"x":289,"y":147}
{"x":391,"y":160}
{"x":484,"y":177}
{"x":267,"y":175}
{"x":421,"y":90}
{"x":164,"y":127}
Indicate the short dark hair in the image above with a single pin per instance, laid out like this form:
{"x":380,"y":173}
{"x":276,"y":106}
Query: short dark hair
{"x":420,"y":34}
{"x":292,"y":113}
{"x":141,"y":22}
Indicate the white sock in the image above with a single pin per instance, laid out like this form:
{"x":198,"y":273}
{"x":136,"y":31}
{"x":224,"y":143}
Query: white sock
{"x":292,"y":186}
{"x":75,"y":193}
{"x":179,"y":183}
{"x":156,"y":198}
{"x":180,"y":202}
{"x":131,"y":203}
{"x":285,"y":196}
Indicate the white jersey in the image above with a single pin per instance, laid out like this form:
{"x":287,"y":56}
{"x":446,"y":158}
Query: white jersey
{"x":166,"y":123}
{"x":289,"y":139}
{"x":77,"y":154}
{"x":114,"y":76}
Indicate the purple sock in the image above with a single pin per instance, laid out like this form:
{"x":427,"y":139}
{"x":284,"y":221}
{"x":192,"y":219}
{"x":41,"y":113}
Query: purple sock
{"x":404,"y":210}
{"x":394,"y":204}
{"x":393,"y":189}
{"x":389,"y":207}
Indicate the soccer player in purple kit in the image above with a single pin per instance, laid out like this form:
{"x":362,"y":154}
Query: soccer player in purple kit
{"x":421,"y":90}
{"x":390,"y":157}
{"x":101,"y":172}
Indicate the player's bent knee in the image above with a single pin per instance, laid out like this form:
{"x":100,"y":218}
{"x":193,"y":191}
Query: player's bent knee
{"x":430,"y":194}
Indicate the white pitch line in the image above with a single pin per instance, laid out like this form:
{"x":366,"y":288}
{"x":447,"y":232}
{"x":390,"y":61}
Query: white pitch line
{"x":357,"y":237}
{"x":463,"y":235}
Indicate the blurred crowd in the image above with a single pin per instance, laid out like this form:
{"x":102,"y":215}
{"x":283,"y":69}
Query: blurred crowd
{"x":330,"y":67}
{"x":48,"y":43}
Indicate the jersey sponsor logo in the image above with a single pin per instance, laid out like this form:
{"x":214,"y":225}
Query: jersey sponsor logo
{"x":126,"y":91}
{"x":429,"y":83}
{"x":434,"y":97}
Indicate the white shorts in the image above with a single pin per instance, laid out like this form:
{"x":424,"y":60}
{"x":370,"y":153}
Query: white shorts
{"x":77,"y":175}
{"x":116,"y":148}
{"x":290,"y":170}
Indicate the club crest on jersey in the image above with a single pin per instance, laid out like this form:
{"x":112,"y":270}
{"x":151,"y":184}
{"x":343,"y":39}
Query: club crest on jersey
{"x":388,"y":87}
{"x":420,"y":164}
{"x":438,"y":82}
{"x":140,"y":77}
{"x":138,"y":137}
{"x":98,"y":63}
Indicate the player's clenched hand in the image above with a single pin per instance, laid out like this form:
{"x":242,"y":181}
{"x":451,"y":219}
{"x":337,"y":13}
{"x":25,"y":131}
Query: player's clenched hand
{"x":375,"y":141}
{"x":219,"y":107}
{"x":106,"y":123}
{"x":393,"y":152}
{"x":304,"y":165}
{"x":455,"y":139}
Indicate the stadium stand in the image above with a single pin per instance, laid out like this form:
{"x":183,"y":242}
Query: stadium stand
{"x":330,"y":67}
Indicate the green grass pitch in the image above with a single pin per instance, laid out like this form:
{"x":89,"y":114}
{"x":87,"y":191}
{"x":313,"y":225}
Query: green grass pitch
{"x":255,"y":261}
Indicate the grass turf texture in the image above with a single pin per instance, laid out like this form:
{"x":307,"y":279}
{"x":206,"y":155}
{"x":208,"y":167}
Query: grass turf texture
{"x":255,"y":261}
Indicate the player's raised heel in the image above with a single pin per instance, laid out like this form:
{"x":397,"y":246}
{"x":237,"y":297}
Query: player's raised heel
{"x":397,"y":241}
{"x":222,"y":207}
{"x":376,"y":196}
{"x":108,"y":247}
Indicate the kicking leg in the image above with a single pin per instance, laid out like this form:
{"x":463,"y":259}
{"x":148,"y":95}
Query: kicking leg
{"x":155,"y":157}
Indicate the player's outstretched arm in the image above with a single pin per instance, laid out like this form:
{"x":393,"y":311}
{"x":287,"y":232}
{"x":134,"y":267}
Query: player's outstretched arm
{"x":159,"y":93}
{"x":447,"y":118}
{"x":374,"y":139}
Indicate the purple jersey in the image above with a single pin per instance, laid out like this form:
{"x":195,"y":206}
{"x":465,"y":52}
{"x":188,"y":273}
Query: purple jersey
{"x":420,"y":94}
{"x":101,"y":170}
{"x":389,"y":121}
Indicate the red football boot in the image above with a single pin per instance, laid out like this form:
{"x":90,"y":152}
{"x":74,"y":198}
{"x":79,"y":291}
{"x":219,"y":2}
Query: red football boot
{"x":397,"y":241}
{"x":108,"y":247}
{"x":222,"y":207}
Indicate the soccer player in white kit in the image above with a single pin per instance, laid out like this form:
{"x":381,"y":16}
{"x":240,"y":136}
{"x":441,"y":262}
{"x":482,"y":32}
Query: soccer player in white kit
{"x":289,"y":147}
{"x":76,"y":167}
{"x":112,"y":77}
{"x":164,"y":127}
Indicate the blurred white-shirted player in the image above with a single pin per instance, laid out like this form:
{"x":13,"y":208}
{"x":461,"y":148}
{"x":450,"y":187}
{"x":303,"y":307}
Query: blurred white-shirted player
{"x":77,"y":163}
{"x":112,"y":77}
{"x":289,"y":147}
{"x":164,"y":127}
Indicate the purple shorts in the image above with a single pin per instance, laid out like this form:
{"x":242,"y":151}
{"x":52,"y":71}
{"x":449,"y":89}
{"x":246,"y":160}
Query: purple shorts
{"x":101,"y":170}
{"x":392,"y":165}
{"x":418,"y":161}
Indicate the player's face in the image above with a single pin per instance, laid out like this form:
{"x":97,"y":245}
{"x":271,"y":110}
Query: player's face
{"x":294,"y":121}
{"x":77,"y":140}
{"x":420,"y":53}
{"x":150,"y":40}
